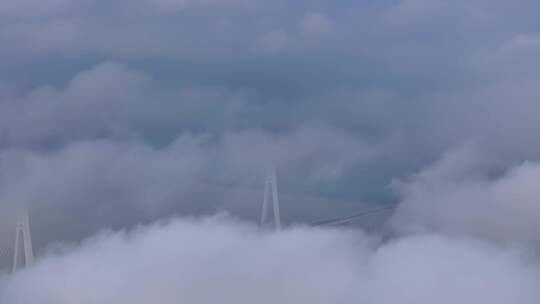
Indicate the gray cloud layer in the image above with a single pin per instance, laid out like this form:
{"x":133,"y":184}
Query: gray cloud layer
{"x":117,"y":113}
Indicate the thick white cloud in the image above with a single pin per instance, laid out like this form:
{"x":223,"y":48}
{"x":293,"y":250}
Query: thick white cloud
{"x":202,"y":262}
{"x":459,"y":195}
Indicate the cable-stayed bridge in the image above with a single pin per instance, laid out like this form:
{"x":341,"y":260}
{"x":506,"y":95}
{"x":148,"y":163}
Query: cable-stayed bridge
{"x":347,"y":219}
{"x":22,"y":255}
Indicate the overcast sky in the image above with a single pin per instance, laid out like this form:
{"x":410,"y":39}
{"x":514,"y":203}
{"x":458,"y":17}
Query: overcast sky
{"x":118,"y":113}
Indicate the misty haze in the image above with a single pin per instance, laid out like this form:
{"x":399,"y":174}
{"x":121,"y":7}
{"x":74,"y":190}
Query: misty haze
{"x":257,"y":151}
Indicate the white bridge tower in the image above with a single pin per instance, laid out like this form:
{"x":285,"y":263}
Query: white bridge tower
{"x":271,"y":192}
{"x":23,"y":241}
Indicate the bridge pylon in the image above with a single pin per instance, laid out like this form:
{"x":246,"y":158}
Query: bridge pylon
{"x":271,"y":192}
{"x":23,"y":241}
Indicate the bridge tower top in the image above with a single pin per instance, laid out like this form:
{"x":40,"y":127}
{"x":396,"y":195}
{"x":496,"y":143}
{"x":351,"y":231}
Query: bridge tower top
{"x":23,"y":241}
{"x":271,"y":192}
